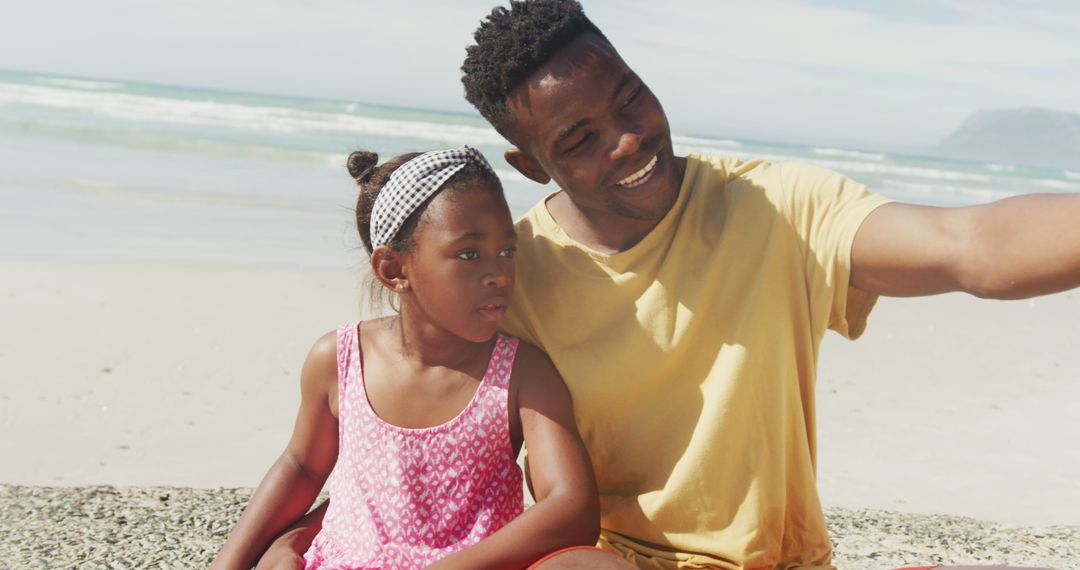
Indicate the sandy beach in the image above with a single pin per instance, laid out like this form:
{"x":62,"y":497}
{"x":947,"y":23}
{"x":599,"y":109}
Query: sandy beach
{"x":188,"y":376}
{"x":142,"y":376}
{"x":958,"y":405}
{"x":156,"y":375}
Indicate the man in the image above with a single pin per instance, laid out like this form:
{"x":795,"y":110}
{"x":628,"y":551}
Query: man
{"x":684,"y":299}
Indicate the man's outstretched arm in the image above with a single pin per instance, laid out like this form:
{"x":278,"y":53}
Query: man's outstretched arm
{"x":1010,"y":249}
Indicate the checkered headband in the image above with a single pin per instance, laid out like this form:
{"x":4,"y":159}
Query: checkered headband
{"x":413,"y":183}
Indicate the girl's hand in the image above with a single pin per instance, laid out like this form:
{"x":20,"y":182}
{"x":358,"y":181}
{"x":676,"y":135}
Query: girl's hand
{"x":567,"y":509}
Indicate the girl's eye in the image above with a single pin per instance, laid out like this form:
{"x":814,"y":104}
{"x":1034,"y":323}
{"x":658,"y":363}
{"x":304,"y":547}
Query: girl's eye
{"x":469,"y":255}
{"x":509,"y":252}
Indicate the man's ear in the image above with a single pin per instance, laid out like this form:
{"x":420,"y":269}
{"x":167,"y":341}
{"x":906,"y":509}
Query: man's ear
{"x":527,"y":165}
{"x":389,"y":268}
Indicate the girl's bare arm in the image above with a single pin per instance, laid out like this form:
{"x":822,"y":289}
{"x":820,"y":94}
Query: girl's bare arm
{"x":295,"y":479}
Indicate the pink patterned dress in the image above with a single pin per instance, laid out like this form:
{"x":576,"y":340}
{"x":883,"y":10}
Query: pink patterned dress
{"x":404,"y":498}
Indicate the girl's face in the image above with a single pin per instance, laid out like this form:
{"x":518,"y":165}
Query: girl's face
{"x":461,"y":268}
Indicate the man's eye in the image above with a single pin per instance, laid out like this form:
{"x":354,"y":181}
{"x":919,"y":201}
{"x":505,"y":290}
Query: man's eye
{"x":580,"y":143}
{"x":509,"y":252}
{"x":633,"y":97}
{"x":469,"y":255}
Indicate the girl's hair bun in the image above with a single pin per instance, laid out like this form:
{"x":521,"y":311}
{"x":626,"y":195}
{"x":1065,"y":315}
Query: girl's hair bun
{"x":361,"y":162}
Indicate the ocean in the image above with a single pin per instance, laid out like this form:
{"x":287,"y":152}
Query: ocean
{"x":95,"y":170}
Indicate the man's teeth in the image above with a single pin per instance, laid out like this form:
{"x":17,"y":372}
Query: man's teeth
{"x":638,"y":177}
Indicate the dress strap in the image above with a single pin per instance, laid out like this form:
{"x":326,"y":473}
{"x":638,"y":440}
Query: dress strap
{"x":348,"y":355}
{"x":502,"y":361}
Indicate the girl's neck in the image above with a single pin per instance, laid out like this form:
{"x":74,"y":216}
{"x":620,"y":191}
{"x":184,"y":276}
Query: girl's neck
{"x":430,"y":346}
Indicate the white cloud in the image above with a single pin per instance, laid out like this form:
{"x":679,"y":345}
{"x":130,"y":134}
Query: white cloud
{"x":766,"y":59}
{"x":901,"y":72}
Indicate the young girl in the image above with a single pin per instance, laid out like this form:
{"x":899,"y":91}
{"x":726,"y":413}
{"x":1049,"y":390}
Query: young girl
{"x":420,"y":416}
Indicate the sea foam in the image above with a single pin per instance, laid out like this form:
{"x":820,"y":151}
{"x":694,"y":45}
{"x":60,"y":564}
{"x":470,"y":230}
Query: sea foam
{"x":705,"y":143}
{"x":848,"y":153}
{"x":238,"y":116}
{"x":79,"y":83}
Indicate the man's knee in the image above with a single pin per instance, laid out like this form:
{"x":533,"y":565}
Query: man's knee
{"x":280,"y":559}
{"x":582,"y":559}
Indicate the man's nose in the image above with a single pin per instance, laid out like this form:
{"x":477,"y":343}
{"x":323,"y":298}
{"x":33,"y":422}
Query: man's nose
{"x":629,"y":142}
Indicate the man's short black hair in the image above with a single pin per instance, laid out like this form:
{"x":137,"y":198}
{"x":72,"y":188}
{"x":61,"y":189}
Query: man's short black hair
{"x":511,"y":44}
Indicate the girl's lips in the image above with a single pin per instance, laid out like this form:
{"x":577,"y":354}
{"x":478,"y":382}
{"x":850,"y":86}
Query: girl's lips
{"x":494,"y":308}
{"x":492,"y":311}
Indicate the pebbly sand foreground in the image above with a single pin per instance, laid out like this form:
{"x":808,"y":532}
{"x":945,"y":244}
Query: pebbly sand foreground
{"x":174,"y":527}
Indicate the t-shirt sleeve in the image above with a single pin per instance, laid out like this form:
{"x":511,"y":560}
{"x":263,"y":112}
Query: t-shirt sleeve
{"x":825,"y":210}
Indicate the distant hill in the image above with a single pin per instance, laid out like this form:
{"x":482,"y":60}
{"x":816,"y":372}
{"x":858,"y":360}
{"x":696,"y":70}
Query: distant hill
{"x":1036,"y":137}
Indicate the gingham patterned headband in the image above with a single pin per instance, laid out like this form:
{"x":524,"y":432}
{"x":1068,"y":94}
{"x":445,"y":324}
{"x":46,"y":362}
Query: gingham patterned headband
{"x":412,"y":183}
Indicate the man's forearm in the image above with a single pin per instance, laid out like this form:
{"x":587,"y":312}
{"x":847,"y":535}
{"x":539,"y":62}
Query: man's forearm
{"x":1010,"y":249}
{"x":1024,"y":246}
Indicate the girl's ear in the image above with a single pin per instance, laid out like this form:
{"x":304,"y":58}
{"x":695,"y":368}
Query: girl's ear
{"x":389,"y":268}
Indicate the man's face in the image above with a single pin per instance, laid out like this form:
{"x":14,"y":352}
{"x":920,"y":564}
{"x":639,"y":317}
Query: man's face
{"x":595,"y":128}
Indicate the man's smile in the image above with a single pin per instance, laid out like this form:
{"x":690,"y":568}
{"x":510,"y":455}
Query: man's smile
{"x":641,"y":176}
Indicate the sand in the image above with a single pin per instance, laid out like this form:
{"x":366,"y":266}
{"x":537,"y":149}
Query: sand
{"x":156,"y":375}
{"x":957,"y":405}
{"x":146,"y":376}
{"x":169,"y":527}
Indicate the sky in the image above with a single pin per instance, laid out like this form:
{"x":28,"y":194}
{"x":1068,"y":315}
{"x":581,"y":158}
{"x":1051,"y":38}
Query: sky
{"x":886,"y":74}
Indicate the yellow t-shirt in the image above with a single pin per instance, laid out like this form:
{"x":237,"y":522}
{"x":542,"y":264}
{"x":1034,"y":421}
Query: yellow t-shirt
{"x":691,"y":358}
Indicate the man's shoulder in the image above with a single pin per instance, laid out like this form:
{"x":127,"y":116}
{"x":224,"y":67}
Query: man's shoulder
{"x":720,"y":183}
{"x":535,"y":222}
{"x":719,"y":162}
{"x":727,"y":165}
{"x":779,"y":182}
{"x":733,"y":167}
{"x":715,"y":171}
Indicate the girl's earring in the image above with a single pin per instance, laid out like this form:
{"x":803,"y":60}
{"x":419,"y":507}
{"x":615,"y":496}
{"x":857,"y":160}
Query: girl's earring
{"x":402,"y":285}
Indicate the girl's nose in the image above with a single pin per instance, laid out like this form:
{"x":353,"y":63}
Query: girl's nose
{"x":497,"y":276}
